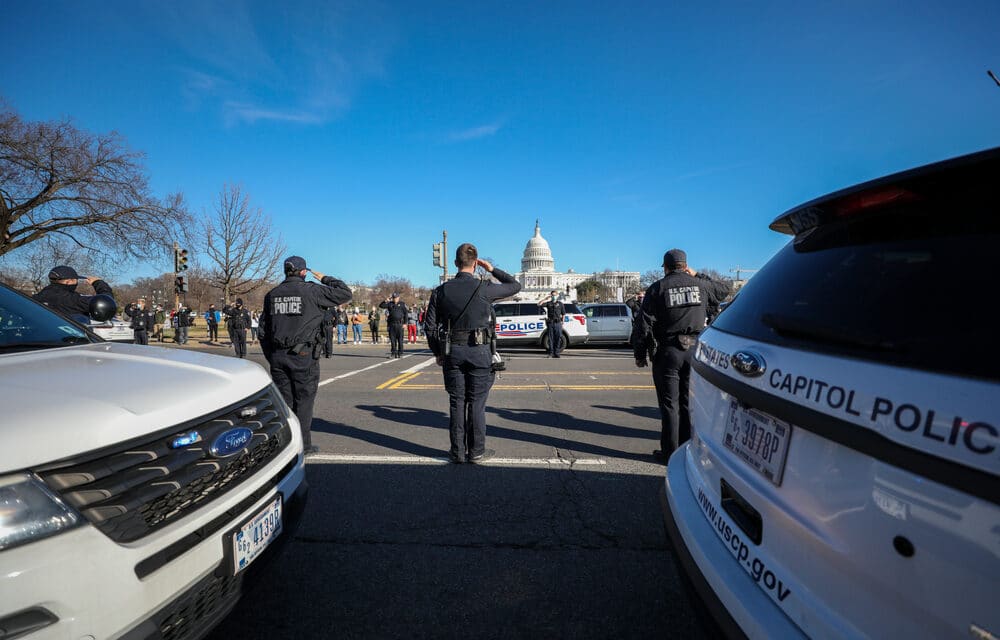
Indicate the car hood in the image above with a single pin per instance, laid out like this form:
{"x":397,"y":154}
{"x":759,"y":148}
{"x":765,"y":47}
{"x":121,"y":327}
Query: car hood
{"x":59,"y":403}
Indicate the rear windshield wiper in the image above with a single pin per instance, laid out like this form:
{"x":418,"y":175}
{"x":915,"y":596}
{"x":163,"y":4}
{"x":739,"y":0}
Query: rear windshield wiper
{"x":798,"y":328}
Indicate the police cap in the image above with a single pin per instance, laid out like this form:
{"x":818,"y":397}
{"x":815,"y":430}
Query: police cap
{"x":673,"y":258}
{"x":294,"y":264}
{"x":62,"y":272}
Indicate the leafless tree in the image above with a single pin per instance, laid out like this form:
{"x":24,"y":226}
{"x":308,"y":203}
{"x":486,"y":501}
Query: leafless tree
{"x":57,"y":181}
{"x":242,"y":249}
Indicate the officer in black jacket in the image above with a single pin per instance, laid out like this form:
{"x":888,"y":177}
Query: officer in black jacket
{"x":60,"y":295}
{"x":237,"y":323}
{"x":459,"y":328}
{"x":555,"y":311}
{"x":397,"y":313}
{"x":141,"y":321}
{"x":290,"y":334}
{"x":671,"y":317}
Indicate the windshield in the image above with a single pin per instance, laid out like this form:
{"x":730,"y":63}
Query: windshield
{"x":27,"y":325}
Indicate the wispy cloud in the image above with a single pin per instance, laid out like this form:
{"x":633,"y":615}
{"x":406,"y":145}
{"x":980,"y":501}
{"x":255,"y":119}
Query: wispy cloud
{"x":475,"y":133}
{"x":257,"y":63}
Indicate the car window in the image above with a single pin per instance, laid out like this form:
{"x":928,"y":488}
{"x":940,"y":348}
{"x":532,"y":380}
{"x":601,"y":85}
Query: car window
{"x":26,"y":325}
{"x":590,"y":312}
{"x":530,"y":310}
{"x":900,"y":288}
{"x":571,"y":308}
{"x":506,"y":310}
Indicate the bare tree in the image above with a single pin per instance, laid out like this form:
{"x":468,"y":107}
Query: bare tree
{"x":649,"y":277}
{"x":242,"y":248}
{"x":59,"y":181}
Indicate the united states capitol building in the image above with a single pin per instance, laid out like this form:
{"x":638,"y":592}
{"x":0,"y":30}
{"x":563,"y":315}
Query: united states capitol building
{"x":538,"y":275}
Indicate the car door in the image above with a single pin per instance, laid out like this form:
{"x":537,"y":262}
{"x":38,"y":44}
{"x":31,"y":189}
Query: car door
{"x":617,"y":324}
{"x":595,"y":324}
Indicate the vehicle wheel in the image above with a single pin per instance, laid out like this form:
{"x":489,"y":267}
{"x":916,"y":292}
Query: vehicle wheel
{"x":563,"y":343}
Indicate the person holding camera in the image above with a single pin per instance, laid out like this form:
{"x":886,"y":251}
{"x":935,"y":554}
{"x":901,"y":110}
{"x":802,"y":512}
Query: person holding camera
{"x":459,"y":329}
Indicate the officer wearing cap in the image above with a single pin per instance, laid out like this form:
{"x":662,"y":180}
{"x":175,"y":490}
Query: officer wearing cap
{"x":60,"y":295}
{"x":237,"y":323}
{"x":670,"y":319}
{"x":396,"y":315}
{"x":290,"y":333}
{"x":459,"y":328}
{"x":554,"y":313}
{"x":141,"y":321}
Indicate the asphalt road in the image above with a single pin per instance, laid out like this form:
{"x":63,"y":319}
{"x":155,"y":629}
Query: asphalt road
{"x":559,"y":536}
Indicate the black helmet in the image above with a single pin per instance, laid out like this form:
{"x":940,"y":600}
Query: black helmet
{"x":102,"y":307}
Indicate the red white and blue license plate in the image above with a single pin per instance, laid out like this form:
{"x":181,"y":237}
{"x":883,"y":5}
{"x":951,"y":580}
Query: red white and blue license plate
{"x":759,"y":440}
{"x":252,"y":538}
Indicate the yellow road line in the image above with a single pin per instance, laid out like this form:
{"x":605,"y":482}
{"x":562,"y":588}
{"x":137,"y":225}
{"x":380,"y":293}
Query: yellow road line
{"x":406,"y":378}
{"x":392,"y":380}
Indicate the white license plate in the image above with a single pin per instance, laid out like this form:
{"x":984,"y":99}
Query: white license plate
{"x":759,"y":440}
{"x":254,"y":536}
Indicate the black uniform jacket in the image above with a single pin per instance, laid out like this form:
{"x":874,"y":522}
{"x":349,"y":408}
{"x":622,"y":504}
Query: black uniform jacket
{"x":555,"y":311}
{"x":397,"y":311}
{"x":141,"y":319}
{"x":448,"y":300}
{"x":237,"y":318}
{"x":64,"y":298}
{"x":675,"y":305}
{"x":293,"y":312}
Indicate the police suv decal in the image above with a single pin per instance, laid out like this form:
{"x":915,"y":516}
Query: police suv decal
{"x":520,"y":329}
{"x":951,"y":421}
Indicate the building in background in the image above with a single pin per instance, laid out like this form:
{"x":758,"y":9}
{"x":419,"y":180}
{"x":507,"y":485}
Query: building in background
{"x":538,"y":274}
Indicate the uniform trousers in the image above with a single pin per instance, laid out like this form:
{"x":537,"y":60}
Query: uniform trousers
{"x":140,"y":337}
{"x":297,"y":377}
{"x":555,"y":337}
{"x":672,"y":379}
{"x":396,"y":338}
{"x":328,"y":340}
{"x":239,"y":341}
{"x":468,"y":379}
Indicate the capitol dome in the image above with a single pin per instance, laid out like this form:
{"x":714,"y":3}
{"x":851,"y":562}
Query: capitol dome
{"x":537,"y":254}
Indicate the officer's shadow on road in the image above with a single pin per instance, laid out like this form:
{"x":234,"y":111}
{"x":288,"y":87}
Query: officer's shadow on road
{"x":650,"y":412}
{"x":417,"y":417}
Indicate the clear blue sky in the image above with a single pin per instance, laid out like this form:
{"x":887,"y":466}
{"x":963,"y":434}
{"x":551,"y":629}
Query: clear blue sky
{"x":627,"y":128}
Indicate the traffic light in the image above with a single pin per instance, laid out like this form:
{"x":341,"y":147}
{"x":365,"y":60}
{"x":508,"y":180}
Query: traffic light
{"x":438,"y":258}
{"x":180,"y":284}
{"x":180,"y":260}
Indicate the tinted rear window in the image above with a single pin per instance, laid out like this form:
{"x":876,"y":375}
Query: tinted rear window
{"x":907,"y":286}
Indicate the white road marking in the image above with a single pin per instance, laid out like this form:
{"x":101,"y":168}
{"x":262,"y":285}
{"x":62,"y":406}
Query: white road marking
{"x":420,"y":366}
{"x":328,"y":458}
{"x":352,"y":373}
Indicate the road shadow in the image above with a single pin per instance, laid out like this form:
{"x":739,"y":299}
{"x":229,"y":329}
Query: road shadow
{"x":436,"y":551}
{"x":378,"y":439}
{"x":651,"y":412}
{"x":411,"y":416}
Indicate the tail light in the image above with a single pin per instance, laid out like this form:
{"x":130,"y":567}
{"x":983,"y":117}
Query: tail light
{"x":581,"y":319}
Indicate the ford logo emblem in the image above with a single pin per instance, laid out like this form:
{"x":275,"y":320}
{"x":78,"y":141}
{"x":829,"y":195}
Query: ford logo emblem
{"x":230,"y":442}
{"x":748,"y":363}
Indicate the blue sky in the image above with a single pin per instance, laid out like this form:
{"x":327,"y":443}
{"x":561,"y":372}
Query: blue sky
{"x":365,"y":129}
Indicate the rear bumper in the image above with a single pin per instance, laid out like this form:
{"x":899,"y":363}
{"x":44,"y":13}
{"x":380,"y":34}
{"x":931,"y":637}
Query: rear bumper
{"x":736,"y":604}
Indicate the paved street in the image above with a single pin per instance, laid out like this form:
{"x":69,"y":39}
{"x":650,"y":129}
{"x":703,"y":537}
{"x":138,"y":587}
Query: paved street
{"x":559,"y":536}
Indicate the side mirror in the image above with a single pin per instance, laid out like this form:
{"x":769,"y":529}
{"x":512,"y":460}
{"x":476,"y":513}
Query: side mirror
{"x":102,"y":307}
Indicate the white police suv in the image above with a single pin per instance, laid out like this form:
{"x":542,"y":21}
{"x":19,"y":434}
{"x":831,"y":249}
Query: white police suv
{"x":843,"y":475}
{"x":140,"y":487}
{"x":523,"y":323}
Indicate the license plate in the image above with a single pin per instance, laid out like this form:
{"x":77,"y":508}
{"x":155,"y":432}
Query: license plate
{"x":759,"y":440}
{"x":254,"y":536}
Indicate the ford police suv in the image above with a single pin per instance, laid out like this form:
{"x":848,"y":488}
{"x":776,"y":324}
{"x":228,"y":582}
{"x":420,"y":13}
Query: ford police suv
{"x":140,"y":487}
{"x":843,"y":475}
{"x":523,"y":323}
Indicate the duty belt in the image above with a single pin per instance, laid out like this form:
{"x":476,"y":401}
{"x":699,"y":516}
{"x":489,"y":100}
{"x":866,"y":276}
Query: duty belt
{"x":470,"y":336}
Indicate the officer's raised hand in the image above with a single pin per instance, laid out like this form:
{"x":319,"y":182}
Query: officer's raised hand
{"x":484,"y":265}
{"x":316,"y":274}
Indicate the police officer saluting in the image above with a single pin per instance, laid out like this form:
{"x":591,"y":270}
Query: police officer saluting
{"x":397,"y":313}
{"x":672,"y":315}
{"x":142,"y":321}
{"x":290,"y":334}
{"x":237,"y":322}
{"x":554,"y":313}
{"x":459,"y":327}
{"x":61,"y":294}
